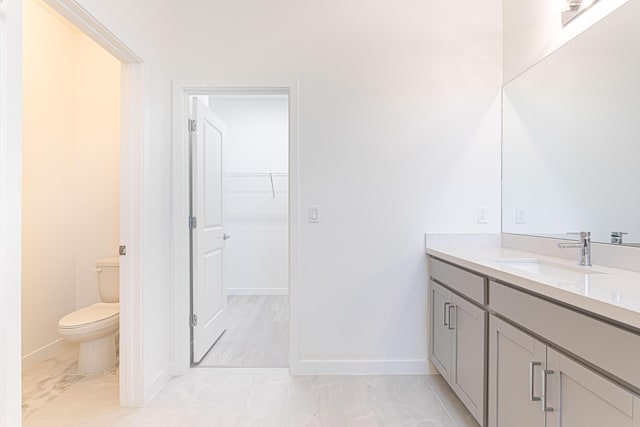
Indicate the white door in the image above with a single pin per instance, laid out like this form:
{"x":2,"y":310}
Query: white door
{"x":209,"y":298}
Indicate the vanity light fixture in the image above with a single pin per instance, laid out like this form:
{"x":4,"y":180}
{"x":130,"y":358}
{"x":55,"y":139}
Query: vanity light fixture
{"x":572,"y":8}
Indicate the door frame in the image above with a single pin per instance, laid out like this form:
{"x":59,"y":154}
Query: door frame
{"x":180,"y":255}
{"x":10,"y":211}
{"x":132,"y":137}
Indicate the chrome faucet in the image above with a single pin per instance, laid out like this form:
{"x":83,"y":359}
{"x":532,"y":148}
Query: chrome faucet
{"x":616,"y":237}
{"x":584,"y":246}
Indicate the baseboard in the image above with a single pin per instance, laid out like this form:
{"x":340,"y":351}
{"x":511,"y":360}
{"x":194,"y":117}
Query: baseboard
{"x":362,"y":367}
{"x":431,"y":369}
{"x":257,"y":291}
{"x":43,"y":352}
{"x":156,"y":384}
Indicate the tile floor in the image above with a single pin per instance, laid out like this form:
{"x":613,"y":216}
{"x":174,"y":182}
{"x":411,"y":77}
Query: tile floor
{"x":257,"y":336}
{"x":47,"y":380}
{"x":53,"y":396}
{"x":264,"y":397}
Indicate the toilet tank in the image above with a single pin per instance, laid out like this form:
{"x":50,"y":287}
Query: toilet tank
{"x":109,"y":278}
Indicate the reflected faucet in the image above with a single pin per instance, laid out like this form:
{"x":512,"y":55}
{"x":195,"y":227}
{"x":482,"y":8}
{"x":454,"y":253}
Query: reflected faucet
{"x":616,"y":237}
{"x":584,"y":245}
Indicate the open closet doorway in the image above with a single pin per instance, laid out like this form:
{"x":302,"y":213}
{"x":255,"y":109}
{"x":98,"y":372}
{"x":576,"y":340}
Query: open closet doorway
{"x":254,"y":229}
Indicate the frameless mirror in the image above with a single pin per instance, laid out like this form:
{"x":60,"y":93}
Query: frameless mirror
{"x":571,"y":137}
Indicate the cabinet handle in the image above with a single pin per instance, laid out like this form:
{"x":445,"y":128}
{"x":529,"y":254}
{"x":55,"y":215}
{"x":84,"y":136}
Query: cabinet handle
{"x":532,"y":366}
{"x":444,"y":312}
{"x":450,"y":326}
{"x":545,"y":408}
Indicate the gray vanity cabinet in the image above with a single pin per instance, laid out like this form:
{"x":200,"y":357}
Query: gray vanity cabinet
{"x":516,"y":361}
{"x":468,"y":361}
{"x":441,"y":338}
{"x":582,"y":398}
{"x":458,"y":338}
{"x":549,"y":364}
{"x":573,"y":396}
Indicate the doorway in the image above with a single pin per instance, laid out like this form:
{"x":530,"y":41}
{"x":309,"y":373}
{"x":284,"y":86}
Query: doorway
{"x":132,"y":392}
{"x":182,"y":91}
{"x":70,"y":200}
{"x":255,"y":210}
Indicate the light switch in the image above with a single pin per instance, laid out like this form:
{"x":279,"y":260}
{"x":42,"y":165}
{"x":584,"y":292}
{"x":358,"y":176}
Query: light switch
{"x":483,"y":215}
{"x":521,"y":215}
{"x":314,"y":214}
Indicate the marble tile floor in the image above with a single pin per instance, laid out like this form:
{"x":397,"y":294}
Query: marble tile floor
{"x":262,"y":397}
{"x":257,"y":335}
{"x":48,"y":379}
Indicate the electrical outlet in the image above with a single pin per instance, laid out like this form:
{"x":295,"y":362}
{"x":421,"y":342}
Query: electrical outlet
{"x":483,"y":215}
{"x":314,"y":214}
{"x":521,"y":215}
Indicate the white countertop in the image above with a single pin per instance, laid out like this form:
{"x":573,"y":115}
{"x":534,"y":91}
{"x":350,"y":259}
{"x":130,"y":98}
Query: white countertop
{"x":604,"y":291}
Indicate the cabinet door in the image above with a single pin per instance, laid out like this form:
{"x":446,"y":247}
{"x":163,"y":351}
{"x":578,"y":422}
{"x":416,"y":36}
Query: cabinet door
{"x":440,"y":329}
{"x":516,"y":361}
{"x":582,"y":398}
{"x":468,"y":364}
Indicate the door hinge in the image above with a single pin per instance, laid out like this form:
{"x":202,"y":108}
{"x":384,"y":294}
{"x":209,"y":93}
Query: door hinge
{"x":122,"y":250}
{"x":193,"y":321}
{"x":193,"y":222}
{"x":192,"y":125}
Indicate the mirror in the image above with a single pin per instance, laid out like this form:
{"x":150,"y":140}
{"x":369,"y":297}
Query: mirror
{"x":571,"y":137}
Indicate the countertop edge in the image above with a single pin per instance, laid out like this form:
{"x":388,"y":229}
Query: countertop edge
{"x":623,"y":316}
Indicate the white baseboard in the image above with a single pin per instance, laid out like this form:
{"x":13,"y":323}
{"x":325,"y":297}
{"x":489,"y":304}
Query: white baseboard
{"x":45,"y":351}
{"x":257,"y":291}
{"x":157,"y":383}
{"x":362,"y":367}
{"x":431,"y":369}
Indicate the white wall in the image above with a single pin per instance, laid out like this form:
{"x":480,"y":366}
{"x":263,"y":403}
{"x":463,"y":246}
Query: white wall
{"x":399,"y":134}
{"x":97,"y":145}
{"x":533,"y":29}
{"x":70,"y":179}
{"x":48,"y":203}
{"x":256,"y":257}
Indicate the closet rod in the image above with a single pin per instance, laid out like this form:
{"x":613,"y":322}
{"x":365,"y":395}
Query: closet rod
{"x":273,"y":190}
{"x":256,"y":174}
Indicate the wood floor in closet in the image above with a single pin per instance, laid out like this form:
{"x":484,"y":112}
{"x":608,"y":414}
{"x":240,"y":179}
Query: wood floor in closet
{"x":257,"y":336}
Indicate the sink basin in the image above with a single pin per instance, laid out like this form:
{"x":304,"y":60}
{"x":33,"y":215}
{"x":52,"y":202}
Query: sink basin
{"x":547,"y":268}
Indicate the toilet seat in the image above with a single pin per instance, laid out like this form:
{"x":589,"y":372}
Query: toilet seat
{"x":96,"y":316}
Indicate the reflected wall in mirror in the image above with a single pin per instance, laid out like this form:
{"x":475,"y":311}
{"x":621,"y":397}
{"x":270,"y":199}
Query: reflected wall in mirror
{"x":571,"y":136}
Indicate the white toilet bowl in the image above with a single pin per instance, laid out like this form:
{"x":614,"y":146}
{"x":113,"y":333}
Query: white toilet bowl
{"x":94,"y":328}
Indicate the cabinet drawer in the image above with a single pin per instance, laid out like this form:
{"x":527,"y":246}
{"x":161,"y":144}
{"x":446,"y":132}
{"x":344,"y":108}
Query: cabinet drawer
{"x":612,"y":349}
{"x":468,"y":284}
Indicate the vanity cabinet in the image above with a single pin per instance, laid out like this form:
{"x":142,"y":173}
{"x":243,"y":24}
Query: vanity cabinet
{"x":441,"y":332}
{"x":516,"y":361}
{"x":580,"y":397}
{"x":534,"y":385}
{"x":458,"y":334}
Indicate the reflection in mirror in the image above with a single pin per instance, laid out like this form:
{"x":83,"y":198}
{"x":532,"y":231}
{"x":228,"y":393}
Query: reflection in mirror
{"x":572,"y":8}
{"x":571,"y":137}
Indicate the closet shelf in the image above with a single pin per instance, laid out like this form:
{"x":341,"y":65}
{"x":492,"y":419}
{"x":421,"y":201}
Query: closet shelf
{"x":269,"y":175}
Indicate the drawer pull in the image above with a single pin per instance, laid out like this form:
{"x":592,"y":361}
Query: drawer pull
{"x":444,"y":312}
{"x":450,"y":326}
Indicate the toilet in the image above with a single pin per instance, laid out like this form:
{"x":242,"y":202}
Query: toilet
{"x":94,"y":327}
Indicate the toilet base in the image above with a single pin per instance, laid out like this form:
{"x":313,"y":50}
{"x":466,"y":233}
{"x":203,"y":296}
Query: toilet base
{"x":97,"y":356}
